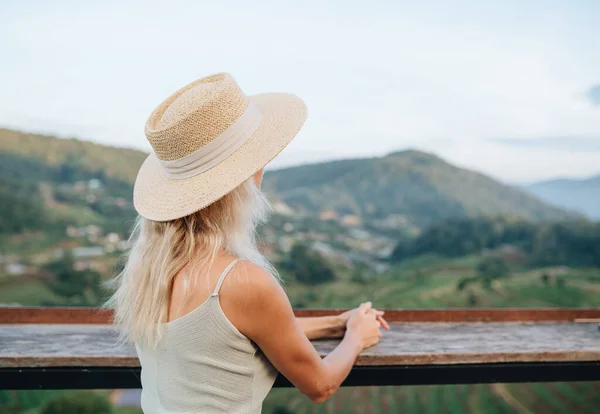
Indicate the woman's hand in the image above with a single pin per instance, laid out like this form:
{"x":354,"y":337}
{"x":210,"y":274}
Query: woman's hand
{"x":363,"y":326}
{"x":342,"y":320}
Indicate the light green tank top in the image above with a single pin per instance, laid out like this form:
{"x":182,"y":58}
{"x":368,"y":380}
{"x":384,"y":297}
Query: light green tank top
{"x":203,"y":364}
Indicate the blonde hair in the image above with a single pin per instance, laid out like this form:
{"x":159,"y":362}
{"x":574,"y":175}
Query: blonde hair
{"x":160,"y":249}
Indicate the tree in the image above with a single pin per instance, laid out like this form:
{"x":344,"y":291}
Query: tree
{"x":463,"y":283}
{"x":22,"y":208}
{"x":472,"y":299}
{"x":492,"y":267}
{"x":575,"y":243}
{"x":80,"y":402}
{"x":486,"y":282}
{"x":83,"y":288}
{"x":308,"y":266}
{"x":361,"y":274}
{"x":66,"y":172}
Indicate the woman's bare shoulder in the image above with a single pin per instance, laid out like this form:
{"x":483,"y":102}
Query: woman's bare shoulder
{"x":251,"y":281}
{"x":252,"y":293}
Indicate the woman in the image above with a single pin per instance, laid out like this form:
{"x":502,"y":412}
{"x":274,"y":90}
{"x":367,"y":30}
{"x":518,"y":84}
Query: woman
{"x":205,"y":310}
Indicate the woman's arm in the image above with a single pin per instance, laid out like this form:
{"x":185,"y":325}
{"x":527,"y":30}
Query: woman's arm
{"x":316,"y":327}
{"x":333,"y":326}
{"x":258,"y":307}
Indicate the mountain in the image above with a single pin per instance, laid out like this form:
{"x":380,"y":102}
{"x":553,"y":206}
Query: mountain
{"x":578,"y":195}
{"x":417,"y":185}
{"x":57,"y":179}
{"x":116,"y":163}
{"x":48,"y":183}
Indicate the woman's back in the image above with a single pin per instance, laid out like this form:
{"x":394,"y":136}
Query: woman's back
{"x":198,"y":198}
{"x":203,"y":364}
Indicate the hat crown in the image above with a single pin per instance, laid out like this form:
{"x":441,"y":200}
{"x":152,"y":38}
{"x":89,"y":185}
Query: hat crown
{"x":194,"y":116}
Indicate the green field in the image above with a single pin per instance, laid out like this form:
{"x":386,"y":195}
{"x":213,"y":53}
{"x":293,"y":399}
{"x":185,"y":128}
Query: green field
{"x":576,"y":398}
{"x":433,"y":283}
{"x":422,"y":283}
{"x":561,"y":397}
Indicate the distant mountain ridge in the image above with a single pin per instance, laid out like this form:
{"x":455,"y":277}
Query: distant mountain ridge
{"x":418,"y":186}
{"x":582,"y":195}
{"x":117,"y":163}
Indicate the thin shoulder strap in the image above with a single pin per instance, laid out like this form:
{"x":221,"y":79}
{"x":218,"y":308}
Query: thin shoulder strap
{"x":222,"y":277}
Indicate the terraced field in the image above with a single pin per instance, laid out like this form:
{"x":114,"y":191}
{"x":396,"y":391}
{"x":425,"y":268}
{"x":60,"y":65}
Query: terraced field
{"x":433,"y":283}
{"x":573,"y":398}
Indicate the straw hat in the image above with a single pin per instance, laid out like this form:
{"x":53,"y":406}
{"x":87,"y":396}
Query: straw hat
{"x":208,"y":138}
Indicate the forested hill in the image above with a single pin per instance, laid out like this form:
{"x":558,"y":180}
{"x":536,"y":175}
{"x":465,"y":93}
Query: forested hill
{"x":414,"y":184}
{"x":101,"y":160}
{"x":39,"y":176}
{"x":47,"y":183}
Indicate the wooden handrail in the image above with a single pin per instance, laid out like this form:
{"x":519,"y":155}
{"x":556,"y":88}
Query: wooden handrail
{"x":82,"y":315}
{"x":77,"y":348}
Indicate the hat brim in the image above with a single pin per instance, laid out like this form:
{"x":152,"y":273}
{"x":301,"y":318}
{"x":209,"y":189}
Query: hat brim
{"x":159,"y":198}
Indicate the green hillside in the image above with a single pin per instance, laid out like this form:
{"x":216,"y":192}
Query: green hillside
{"x":47,"y":183}
{"x":417,"y":185}
{"x":101,"y":160}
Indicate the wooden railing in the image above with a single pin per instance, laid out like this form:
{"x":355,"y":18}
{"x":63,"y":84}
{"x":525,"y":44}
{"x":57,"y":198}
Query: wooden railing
{"x":68,"y":348}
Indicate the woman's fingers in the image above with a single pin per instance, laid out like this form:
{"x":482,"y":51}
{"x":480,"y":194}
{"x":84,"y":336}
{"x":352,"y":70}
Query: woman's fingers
{"x":379,"y":316}
{"x":365,"y":307}
{"x":377,"y":312}
{"x":368,"y":309}
{"x":383,"y":322}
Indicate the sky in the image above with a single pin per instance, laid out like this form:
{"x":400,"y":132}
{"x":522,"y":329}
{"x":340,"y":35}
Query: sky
{"x":510,"y":89}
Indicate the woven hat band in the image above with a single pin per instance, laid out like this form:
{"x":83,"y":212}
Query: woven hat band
{"x":218,"y":149}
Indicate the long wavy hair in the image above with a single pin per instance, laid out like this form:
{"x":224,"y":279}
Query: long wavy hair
{"x":159,"y":250}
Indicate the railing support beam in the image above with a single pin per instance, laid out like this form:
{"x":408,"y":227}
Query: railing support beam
{"x":122,"y":377}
